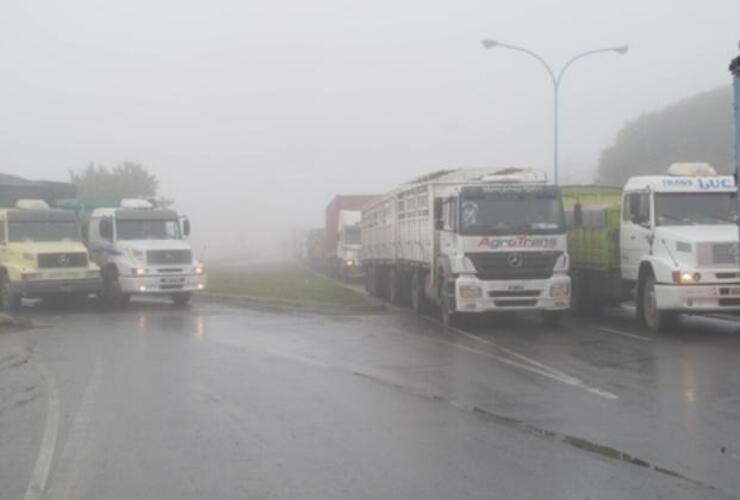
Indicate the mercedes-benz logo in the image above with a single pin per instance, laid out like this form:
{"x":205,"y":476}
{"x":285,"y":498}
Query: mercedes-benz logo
{"x":515,"y":260}
{"x":63,"y":259}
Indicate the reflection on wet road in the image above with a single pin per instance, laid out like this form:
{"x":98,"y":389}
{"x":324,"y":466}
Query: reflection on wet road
{"x":222,"y":402}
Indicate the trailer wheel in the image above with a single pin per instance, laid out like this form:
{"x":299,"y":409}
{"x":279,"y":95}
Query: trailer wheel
{"x":418,"y":299}
{"x":651,"y":316}
{"x":9,"y":299}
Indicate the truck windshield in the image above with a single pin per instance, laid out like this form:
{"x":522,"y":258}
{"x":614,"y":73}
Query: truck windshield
{"x":502,"y":213}
{"x":40,"y":230}
{"x":131,"y":229}
{"x":685,"y":209}
{"x":352,"y":236}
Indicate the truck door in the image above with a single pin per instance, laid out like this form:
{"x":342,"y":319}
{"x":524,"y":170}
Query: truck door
{"x":448,"y":236}
{"x":636,"y":232}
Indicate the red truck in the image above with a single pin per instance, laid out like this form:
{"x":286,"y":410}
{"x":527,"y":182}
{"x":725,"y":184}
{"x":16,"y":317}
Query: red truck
{"x":342,"y":235}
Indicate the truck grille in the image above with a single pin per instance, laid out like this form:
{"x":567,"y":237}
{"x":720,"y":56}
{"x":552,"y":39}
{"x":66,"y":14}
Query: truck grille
{"x":169,"y":257}
{"x":514,"y":265}
{"x":51,"y":260}
{"x":724,"y":253}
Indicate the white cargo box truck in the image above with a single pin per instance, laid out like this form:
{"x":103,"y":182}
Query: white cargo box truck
{"x":469,"y":241}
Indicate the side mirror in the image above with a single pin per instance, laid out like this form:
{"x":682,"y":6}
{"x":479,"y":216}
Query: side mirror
{"x":106,"y":229}
{"x":439,"y":224}
{"x":186,"y":227}
{"x":578,"y":215}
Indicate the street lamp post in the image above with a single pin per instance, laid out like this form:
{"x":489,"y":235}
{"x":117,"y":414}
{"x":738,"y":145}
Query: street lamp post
{"x":555,"y":78}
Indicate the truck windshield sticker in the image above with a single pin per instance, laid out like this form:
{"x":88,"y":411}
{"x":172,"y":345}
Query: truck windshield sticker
{"x":521,"y":241}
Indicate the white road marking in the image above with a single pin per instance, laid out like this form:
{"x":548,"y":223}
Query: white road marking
{"x":66,"y":474}
{"x":40,"y":475}
{"x":471,"y":336}
{"x":543,"y":370}
{"x":625,"y":334}
{"x":527,"y":364}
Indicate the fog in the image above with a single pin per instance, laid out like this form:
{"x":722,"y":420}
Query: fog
{"x":253,"y":114}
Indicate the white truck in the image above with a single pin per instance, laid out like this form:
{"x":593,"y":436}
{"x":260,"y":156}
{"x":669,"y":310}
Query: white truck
{"x":470,"y":241}
{"x":142,"y":250}
{"x":670,"y":242}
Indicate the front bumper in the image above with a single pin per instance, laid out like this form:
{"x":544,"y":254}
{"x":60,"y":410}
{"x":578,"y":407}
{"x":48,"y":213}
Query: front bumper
{"x":162,"y":284}
{"x":698,"y":298}
{"x":45,"y":288}
{"x":514,"y":295}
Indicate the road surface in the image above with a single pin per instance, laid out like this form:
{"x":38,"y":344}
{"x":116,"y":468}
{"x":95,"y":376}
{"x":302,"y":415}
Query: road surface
{"x":216,"y":401}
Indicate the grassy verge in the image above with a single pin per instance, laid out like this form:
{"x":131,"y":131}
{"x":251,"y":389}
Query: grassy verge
{"x":284,"y":281}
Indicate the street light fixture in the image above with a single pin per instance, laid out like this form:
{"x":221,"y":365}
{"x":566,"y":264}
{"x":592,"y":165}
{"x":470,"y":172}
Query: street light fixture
{"x":555,"y":78}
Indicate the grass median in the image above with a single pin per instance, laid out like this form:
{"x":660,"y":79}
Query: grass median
{"x":283,"y":281}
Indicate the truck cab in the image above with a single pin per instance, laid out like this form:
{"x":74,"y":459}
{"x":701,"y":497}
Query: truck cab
{"x":143,"y":250}
{"x":670,"y":242}
{"x":42,"y":255}
{"x":679,"y":242}
{"x":502,"y":246}
{"x":349,"y":243}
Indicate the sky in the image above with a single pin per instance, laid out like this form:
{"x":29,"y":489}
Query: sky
{"x":254,"y":114}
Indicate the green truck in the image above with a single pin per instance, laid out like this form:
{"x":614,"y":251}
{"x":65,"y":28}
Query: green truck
{"x":669,"y":242}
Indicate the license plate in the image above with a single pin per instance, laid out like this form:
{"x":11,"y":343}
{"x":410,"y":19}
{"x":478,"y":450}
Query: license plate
{"x":173,"y":280}
{"x":66,"y":275}
{"x":734,"y":291}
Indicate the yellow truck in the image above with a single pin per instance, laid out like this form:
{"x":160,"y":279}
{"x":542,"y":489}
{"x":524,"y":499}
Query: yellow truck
{"x":42,"y":255}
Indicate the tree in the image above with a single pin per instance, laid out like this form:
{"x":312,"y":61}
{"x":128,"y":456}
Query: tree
{"x":695,"y":129}
{"x":128,"y":180}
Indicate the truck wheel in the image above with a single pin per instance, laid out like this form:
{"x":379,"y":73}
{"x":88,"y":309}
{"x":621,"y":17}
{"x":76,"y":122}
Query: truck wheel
{"x":652,"y":317}
{"x":418,"y":299}
{"x":9,"y":300}
{"x":112,"y":289}
{"x":182,"y":298}
{"x":552,"y":318}
{"x":450,"y":317}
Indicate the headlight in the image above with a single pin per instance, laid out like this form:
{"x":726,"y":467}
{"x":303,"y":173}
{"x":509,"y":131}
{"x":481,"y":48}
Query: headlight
{"x":349,"y":263}
{"x":137,"y":271}
{"x":470,"y":292}
{"x":560,"y":290}
{"x":199,"y":270}
{"x":685,"y":277}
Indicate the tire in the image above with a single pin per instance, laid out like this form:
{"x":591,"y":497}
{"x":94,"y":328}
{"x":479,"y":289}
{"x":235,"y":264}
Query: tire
{"x":112,"y":289}
{"x":653,"y":318}
{"x":416,"y":291}
{"x":552,"y":318}
{"x":182,"y":298}
{"x":9,"y":300}
{"x":450,"y":317}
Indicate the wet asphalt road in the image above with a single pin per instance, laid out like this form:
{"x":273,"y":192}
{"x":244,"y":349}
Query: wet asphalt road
{"x":216,"y":401}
